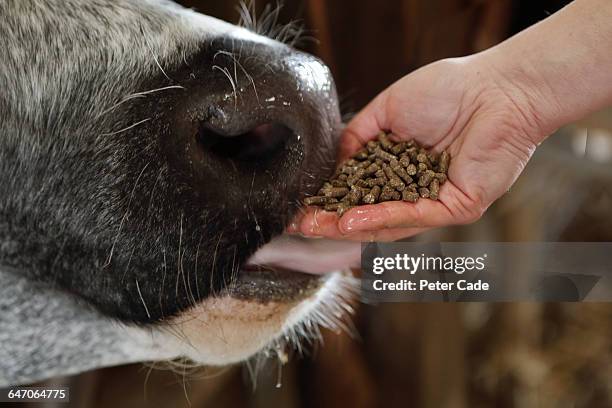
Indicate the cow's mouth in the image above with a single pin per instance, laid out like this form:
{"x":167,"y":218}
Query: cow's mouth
{"x":291,"y":268}
{"x":273,"y":284}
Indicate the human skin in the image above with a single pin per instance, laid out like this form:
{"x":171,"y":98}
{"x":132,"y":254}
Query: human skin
{"x":489,"y":111}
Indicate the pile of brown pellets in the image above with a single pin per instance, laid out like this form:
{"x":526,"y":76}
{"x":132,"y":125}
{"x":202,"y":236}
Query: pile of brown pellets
{"x":384,"y":171}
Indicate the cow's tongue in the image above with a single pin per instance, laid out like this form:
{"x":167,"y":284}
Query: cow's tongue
{"x":315,"y":256}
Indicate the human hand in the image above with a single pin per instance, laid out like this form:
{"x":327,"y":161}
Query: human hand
{"x":484,"y":120}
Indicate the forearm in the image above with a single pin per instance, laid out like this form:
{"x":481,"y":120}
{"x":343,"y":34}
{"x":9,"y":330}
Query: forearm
{"x":562,"y":66}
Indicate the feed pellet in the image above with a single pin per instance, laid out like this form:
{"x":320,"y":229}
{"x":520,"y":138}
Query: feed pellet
{"x":384,"y":170}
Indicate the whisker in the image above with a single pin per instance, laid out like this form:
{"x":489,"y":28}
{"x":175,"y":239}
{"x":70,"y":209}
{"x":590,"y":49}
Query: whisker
{"x":142,"y":299}
{"x":244,"y":71}
{"x":153,"y":54}
{"x":267,"y":25}
{"x":214,"y":264}
{"x":112,"y":250}
{"x":229,"y":77}
{"x":126,"y":128}
{"x":137,"y":95}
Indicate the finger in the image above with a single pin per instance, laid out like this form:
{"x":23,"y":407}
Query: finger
{"x":349,"y":144}
{"x":365,"y":126}
{"x":294,"y":226}
{"x":318,"y":223}
{"x":396,"y":214}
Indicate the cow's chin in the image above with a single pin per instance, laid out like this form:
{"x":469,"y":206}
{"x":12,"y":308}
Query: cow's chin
{"x":281,"y":297}
{"x":229,"y":329}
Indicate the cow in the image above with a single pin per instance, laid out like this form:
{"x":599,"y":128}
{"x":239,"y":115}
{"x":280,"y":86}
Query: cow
{"x":151,"y":159}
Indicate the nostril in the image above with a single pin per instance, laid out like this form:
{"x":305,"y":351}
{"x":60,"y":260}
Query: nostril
{"x":261,"y":143}
{"x":229,"y":162}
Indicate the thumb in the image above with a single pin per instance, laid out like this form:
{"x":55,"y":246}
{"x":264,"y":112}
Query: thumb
{"x":365,"y":126}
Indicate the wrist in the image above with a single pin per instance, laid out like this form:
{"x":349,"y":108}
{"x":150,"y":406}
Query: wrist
{"x":508,"y":89}
{"x":529,"y":94}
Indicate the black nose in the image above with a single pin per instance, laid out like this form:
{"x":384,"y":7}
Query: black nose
{"x":255,"y":127}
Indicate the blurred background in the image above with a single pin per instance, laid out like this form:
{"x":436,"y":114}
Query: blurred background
{"x":426,"y":355}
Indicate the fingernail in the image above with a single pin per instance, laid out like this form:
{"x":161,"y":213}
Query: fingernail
{"x":363,"y":220}
{"x":315,"y":223}
{"x":293,"y":228}
{"x":310,"y":226}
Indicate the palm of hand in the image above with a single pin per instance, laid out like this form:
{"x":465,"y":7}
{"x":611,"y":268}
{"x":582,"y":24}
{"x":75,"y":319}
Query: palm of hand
{"x":446,"y":105}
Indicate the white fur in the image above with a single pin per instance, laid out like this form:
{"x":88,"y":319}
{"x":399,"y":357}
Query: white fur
{"x":224,"y":330}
